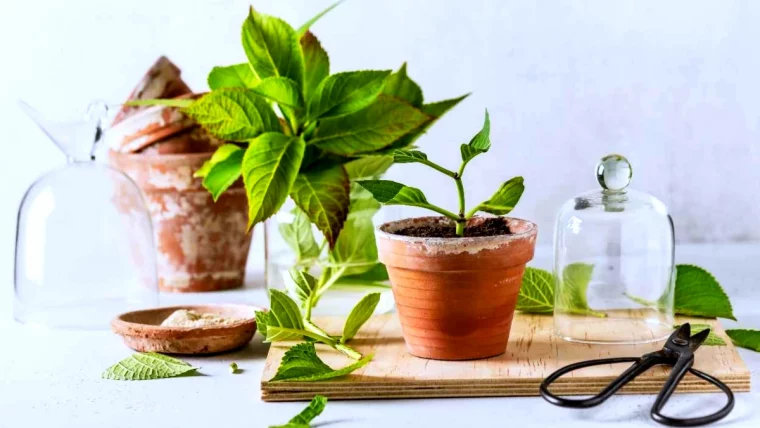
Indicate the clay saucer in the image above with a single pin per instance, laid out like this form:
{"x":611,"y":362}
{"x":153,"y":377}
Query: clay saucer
{"x":142,"y":330}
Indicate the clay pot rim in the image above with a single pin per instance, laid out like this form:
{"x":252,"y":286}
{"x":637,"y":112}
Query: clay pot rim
{"x":381,"y":232}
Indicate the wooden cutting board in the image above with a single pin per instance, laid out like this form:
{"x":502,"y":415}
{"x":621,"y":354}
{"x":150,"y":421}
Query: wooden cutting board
{"x":533,"y":353}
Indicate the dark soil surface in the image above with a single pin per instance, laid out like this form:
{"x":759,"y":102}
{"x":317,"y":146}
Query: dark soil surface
{"x":489,"y":227}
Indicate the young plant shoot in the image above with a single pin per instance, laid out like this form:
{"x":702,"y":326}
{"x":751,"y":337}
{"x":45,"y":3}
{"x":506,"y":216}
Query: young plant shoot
{"x":501,"y":203}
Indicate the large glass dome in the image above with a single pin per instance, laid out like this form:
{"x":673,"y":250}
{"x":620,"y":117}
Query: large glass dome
{"x":614,"y":262}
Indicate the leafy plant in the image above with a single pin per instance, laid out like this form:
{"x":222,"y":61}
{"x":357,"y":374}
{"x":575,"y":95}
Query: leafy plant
{"x":393,"y":193}
{"x":147,"y":366}
{"x":297,"y":131}
{"x":301,"y":363}
{"x":303,"y":419}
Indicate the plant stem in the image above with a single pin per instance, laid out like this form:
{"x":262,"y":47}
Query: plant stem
{"x":438,"y":168}
{"x":326,"y":282}
{"x":439,"y":210}
{"x":461,"y":221}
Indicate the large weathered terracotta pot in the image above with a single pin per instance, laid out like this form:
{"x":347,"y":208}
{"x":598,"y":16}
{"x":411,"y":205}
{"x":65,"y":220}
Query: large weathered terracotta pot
{"x":202,"y":245}
{"x":456,"y":296}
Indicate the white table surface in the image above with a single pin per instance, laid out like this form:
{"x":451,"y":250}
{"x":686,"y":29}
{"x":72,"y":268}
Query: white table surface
{"x":52,"y":378}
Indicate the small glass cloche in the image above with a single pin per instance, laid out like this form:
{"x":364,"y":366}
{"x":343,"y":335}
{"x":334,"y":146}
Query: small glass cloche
{"x":613,"y":263}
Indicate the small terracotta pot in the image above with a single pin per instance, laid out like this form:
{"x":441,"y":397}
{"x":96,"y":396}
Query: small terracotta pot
{"x":456,"y":296}
{"x":202,"y":245}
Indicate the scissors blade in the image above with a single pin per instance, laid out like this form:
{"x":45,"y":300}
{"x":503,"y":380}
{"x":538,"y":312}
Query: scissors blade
{"x":698,"y":339}
{"x":683,"y":332}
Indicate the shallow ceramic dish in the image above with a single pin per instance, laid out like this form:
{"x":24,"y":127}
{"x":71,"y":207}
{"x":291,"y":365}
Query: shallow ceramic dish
{"x":142,"y":330}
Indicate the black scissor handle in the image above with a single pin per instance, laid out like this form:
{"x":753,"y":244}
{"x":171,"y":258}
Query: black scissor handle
{"x":662,"y":399}
{"x":640,"y":365}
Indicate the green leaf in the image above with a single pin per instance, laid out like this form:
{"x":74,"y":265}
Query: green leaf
{"x":712,"y":338}
{"x":301,"y":363}
{"x":409,"y":156}
{"x":146,"y":366}
{"x":359,"y":315}
{"x":536,"y":292}
{"x":368,"y":130}
{"x":234,"y":114}
{"x":505,"y":199}
{"x":298,"y":235}
{"x":282,"y":319}
{"x":324,"y":196}
{"x":362,"y":202}
{"x":302,"y":285}
{"x":480,"y":143}
{"x":281,"y":90}
{"x":224,"y":173}
{"x":399,"y":85}
{"x":232,"y":76}
{"x":345,"y":93}
{"x":305,"y":27}
{"x":571,"y":291}
{"x":745,"y":338}
{"x":698,"y":293}
{"x":223,"y":152}
{"x":368,"y":167}
{"x":317,"y":64}
{"x":308,"y":414}
{"x":355,"y":248}
{"x":173,"y":102}
{"x":272,"y":47}
{"x":270,"y":167}
{"x":392,"y":193}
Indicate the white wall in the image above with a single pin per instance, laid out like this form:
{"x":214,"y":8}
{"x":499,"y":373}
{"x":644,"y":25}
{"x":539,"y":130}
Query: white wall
{"x":672,"y":85}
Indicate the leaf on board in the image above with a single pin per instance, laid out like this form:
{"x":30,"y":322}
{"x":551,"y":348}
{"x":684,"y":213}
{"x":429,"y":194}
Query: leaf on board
{"x":147,"y":366}
{"x":283,"y":319}
{"x":698,"y":293}
{"x":301,"y":364}
{"x":571,"y":290}
{"x":536,"y":292}
{"x":745,"y":338}
{"x":359,"y":315}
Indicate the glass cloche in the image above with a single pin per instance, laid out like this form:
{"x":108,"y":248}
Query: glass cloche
{"x":84,"y":241}
{"x":613,"y":262}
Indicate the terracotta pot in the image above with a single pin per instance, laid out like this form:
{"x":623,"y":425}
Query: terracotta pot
{"x":202,"y":245}
{"x":456,"y":296}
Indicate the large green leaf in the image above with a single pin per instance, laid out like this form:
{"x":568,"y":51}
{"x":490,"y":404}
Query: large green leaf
{"x":346,"y":92}
{"x":480,"y":143}
{"x":324,"y":196}
{"x":302,"y":30}
{"x":392,"y":193}
{"x":359,"y":315}
{"x":745,"y":338}
{"x":224,"y":172}
{"x":283,"y":321}
{"x":698,"y":293}
{"x":368,"y":167}
{"x":505,"y":199}
{"x":298,"y":235}
{"x":272,"y":47}
{"x":301,"y":363}
{"x":232,"y":76}
{"x":146,"y":366}
{"x":317,"y":64}
{"x":536,"y":292}
{"x":270,"y":167}
{"x":281,"y":90}
{"x":303,"y":419}
{"x":234,"y":114}
{"x":368,"y":130}
{"x":572,"y":289}
{"x":399,"y":85}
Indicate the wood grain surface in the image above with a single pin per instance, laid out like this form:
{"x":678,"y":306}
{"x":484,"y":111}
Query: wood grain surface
{"x":533,"y":353}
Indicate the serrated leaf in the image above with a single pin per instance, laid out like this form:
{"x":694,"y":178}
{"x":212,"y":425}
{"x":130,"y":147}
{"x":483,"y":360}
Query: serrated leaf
{"x":234,"y":114}
{"x":302,"y":420}
{"x":359,"y":315}
{"x":480,"y":143}
{"x":232,"y":76}
{"x":317,"y":64}
{"x":712,"y":338}
{"x":147,"y":366}
{"x":745,"y":338}
{"x":281,"y":90}
{"x":571,"y":291}
{"x":505,"y":199}
{"x":302,"y":284}
{"x":298,"y":234}
{"x":536,"y":292}
{"x":224,"y":173}
{"x":270,"y":167}
{"x":399,"y":85}
{"x":347,"y":92}
{"x":272,"y":47}
{"x":367,"y":130}
{"x":408,"y":156}
{"x":698,"y":293}
{"x":368,"y":167}
{"x":324,"y":196}
{"x":305,"y":27}
{"x":283,"y":321}
{"x":392,"y":193}
{"x":301,"y":363}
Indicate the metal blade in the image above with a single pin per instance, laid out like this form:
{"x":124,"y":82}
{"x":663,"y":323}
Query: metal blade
{"x":698,"y":339}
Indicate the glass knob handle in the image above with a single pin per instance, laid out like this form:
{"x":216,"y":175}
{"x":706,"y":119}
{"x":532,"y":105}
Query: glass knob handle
{"x":614,"y":172}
